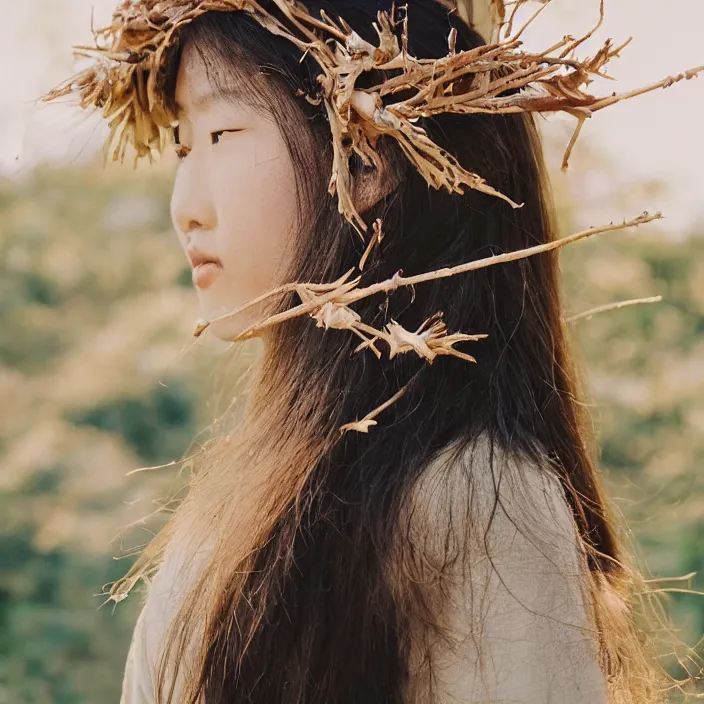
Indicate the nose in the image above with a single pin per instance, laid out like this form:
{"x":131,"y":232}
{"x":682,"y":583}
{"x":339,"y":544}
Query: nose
{"x":192,"y":199}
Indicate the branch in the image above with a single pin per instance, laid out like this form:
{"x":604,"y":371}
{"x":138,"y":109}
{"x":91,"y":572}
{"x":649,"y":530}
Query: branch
{"x":329,"y":303}
{"x":612,"y":306}
{"x":363,"y":425}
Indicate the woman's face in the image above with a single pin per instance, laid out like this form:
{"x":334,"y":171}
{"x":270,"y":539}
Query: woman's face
{"x":234,"y":203}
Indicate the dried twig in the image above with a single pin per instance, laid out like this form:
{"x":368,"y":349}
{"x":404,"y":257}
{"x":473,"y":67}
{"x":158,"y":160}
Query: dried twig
{"x":612,"y":306}
{"x":375,"y":240}
{"x":329,"y":304}
{"x":363,"y":425}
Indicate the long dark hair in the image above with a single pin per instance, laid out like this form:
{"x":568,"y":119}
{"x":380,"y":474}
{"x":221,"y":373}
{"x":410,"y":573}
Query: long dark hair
{"x":294,"y":601}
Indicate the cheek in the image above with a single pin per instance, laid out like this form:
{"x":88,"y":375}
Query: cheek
{"x":257,"y":209}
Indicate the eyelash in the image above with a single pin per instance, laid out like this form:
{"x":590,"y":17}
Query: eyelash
{"x":182,"y":152}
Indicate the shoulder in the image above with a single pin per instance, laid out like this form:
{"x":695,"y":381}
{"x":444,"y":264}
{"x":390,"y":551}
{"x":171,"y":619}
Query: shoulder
{"x":488,"y":496}
{"x":138,"y":683}
{"x":507,"y":581}
{"x":166,"y":593}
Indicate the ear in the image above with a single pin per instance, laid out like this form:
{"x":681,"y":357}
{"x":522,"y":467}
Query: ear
{"x":372,"y":183}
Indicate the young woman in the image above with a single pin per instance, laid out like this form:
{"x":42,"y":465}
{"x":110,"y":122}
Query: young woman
{"x":461,"y":550}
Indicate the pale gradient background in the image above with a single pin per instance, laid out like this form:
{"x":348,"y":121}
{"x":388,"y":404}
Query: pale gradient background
{"x":653,"y":137}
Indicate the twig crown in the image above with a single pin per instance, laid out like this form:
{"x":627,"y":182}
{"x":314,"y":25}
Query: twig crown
{"x":497,"y":78}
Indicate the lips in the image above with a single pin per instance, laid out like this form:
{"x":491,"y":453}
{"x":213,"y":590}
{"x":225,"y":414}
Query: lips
{"x":206,"y":267}
{"x":198,"y":258}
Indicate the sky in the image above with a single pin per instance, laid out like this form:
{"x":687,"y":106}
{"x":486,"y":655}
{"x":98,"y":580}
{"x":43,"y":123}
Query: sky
{"x":657,"y":136}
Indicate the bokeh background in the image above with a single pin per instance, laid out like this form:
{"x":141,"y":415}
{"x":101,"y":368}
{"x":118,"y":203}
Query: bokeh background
{"x":99,"y":376}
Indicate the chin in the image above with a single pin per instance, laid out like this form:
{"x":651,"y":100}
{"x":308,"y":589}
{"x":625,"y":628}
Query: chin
{"x":227,"y":330}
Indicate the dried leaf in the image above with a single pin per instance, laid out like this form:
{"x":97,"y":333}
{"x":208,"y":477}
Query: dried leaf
{"x":333,"y":315}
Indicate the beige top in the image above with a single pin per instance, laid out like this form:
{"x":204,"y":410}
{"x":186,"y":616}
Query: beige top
{"x":527,"y":598}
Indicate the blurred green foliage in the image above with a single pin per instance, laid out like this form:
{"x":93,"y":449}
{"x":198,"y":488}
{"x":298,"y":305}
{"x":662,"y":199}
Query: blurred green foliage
{"x":95,"y":312}
{"x":93,"y":319}
{"x":645,"y":369}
